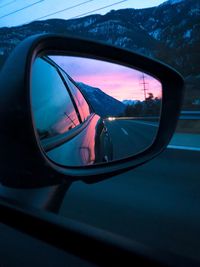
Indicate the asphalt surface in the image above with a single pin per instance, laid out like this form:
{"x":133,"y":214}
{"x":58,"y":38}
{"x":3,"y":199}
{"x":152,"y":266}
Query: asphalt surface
{"x":130,"y":137}
{"x":157,"y":204}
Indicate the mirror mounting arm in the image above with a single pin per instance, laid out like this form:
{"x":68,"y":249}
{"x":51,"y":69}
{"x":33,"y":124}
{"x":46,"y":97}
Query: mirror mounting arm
{"x":45,"y":198}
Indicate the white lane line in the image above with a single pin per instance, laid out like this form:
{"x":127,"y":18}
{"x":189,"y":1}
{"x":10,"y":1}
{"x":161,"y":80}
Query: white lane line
{"x":147,"y":123}
{"x":124,"y":131}
{"x":184,"y":147}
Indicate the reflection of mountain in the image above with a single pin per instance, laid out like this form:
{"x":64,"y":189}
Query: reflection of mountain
{"x":103,"y":104}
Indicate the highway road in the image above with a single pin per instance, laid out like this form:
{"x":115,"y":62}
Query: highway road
{"x":157,"y":204}
{"x":130,"y":137}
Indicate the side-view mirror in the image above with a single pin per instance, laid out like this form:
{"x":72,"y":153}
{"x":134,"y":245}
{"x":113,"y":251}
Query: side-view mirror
{"x":101,"y":112}
{"x":80,"y":110}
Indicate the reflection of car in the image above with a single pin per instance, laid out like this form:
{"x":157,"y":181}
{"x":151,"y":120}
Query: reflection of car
{"x":64,"y":119}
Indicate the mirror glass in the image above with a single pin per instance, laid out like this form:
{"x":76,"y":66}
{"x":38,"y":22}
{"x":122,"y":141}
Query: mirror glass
{"x":89,"y":111}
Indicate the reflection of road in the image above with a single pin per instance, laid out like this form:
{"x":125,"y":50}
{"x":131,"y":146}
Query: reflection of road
{"x":129,"y":136}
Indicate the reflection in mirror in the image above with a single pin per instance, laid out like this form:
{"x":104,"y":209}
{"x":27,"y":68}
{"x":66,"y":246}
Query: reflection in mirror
{"x":89,"y":111}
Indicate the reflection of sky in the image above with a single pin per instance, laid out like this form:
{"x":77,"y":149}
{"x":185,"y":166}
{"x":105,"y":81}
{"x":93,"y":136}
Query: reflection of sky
{"x":50,"y":99}
{"x":115,"y":80}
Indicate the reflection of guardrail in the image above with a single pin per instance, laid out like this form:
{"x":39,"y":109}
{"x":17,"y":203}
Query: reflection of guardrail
{"x":185,"y":115}
{"x":133,"y":118}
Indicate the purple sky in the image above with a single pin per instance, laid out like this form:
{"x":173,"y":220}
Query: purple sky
{"x":17,"y":12}
{"x":118,"y":81}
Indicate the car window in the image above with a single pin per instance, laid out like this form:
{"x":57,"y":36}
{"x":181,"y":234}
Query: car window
{"x":81,"y":103}
{"x":54,"y":112}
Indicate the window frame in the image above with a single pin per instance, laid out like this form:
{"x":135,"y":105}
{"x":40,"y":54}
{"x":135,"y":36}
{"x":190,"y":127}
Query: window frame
{"x":77,"y":87}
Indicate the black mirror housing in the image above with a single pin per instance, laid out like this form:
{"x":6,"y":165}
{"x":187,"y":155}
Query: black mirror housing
{"x":22,"y":160}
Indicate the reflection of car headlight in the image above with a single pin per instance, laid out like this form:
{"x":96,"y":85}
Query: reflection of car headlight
{"x":111,"y":118}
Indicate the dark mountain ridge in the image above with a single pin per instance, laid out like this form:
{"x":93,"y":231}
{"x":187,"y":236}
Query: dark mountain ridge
{"x":111,"y":106}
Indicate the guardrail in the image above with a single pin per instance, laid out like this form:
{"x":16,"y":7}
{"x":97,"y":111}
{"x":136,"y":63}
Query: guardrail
{"x":185,"y":115}
{"x":189,"y":115}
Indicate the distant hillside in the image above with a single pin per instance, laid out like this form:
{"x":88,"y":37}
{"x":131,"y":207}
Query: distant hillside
{"x":169,"y":32}
{"x":103,"y":104}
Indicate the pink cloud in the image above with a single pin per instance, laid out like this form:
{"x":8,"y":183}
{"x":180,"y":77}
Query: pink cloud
{"x":115,"y":80}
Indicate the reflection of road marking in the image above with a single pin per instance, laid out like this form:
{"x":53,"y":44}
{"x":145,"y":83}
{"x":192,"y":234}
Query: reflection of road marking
{"x":147,"y":123}
{"x":184,"y":147}
{"x":124,"y":131}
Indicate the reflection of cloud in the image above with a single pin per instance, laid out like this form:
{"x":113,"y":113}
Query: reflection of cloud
{"x":116,"y":80}
{"x":118,"y":86}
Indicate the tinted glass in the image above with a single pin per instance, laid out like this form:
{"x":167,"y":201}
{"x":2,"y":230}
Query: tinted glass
{"x":53,"y":109}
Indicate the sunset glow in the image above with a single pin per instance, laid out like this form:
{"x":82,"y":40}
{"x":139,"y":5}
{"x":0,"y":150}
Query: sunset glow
{"x":118,"y":81}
